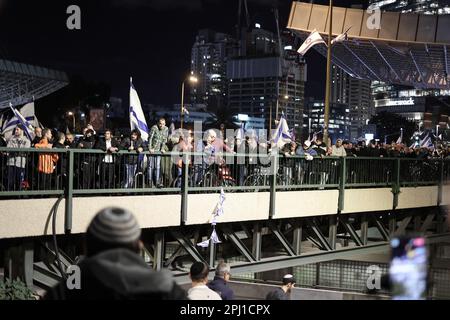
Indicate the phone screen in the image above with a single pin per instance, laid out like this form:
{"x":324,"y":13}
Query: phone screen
{"x":408,"y":268}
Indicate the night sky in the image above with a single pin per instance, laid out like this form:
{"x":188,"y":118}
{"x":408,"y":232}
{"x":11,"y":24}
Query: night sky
{"x":149,"y":40}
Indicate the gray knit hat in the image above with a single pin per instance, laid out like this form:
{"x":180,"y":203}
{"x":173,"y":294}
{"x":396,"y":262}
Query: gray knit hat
{"x":115,"y":225}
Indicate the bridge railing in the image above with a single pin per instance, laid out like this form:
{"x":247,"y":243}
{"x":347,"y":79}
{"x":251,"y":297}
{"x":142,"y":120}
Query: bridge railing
{"x":49,"y":172}
{"x":69,"y":173}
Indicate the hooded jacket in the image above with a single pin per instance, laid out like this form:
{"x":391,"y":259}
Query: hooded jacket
{"x":119,"y":274}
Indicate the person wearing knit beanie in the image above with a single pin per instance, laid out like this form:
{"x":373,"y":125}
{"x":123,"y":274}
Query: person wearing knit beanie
{"x":113,"y":228}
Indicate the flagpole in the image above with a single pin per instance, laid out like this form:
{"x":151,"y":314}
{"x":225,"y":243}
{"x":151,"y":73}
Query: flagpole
{"x":182,"y":105}
{"x":328,"y":88}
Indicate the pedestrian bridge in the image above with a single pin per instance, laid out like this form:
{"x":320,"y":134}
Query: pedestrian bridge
{"x":279,"y":213}
{"x":300,"y":189}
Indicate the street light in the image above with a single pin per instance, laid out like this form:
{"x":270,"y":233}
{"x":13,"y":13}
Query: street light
{"x":192,"y":79}
{"x":71,"y":114}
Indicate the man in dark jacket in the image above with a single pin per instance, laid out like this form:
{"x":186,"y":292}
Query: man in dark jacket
{"x":219,"y":284}
{"x":107,"y":164}
{"x":113,"y":269}
{"x":87,"y":160}
{"x":134,"y":145}
{"x":283,"y":292}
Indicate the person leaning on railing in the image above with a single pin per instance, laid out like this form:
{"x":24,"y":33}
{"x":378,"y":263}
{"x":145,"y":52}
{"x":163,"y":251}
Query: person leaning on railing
{"x":107,"y":165}
{"x":17,"y":161}
{"x":134,"y":145}
{"x":88,"y":160}
{"x":157,"y":142}
{"x":46,"y":162}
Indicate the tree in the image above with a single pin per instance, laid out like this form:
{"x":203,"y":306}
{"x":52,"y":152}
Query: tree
{"x":389,"y":125}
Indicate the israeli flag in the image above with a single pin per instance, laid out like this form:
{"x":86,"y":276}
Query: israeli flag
{"x":282,"y":135}
{"x":27,"y":112}
{"x":137,"y":118}
{"x":27,"y":127}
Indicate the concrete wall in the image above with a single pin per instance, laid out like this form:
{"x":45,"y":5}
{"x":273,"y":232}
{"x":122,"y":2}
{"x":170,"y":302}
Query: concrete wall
{"x":305,"y":203}
{"x":31,"y":217}
{"x":245,"y":206}
{"x":446,"y":195}
{"x":365,"y":200}
{"x":417,"y":197}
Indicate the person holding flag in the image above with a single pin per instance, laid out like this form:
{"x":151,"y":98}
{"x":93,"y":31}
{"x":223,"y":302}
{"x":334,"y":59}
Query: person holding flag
{"x":17,"y":161}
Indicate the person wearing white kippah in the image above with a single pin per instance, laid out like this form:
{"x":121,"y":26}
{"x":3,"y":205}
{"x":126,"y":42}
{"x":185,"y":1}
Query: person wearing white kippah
{"x":283,"y":292}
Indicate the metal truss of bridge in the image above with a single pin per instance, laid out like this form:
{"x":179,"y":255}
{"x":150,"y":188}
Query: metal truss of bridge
{"x":409,"y":49}
{"x":20,"y":83}
{"x":333,"y":208}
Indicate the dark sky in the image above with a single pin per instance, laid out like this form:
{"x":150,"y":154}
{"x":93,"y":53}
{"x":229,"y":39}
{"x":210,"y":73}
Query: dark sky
{"x":150,"y":40}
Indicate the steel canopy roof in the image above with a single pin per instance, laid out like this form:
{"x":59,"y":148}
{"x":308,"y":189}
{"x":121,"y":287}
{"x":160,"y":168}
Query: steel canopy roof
{"x":20,"y":83}
{"x":409,"y":49}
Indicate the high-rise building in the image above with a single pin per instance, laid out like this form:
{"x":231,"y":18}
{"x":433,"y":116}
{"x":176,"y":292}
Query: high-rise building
{"x":261,"y":82}
{"x":253,"y":84}
{"x":354,"y":93}
{"x":416,"y":6}
{"x":339,"y":120}
{"x":209,"y":56}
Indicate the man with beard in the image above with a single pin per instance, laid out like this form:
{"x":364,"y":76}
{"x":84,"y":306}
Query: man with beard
{"x":283,"y":292}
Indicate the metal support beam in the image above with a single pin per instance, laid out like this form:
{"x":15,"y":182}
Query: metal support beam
{"x":422,"y":77}
{"x":173,"y":256}
{"x":332,"y":231}
{"x":297,"y":237}
{"x":308,"y":258}
{"x":441,"y":181}
{"x":385,"y":60}
{"x":69,"y":192}
{"x":403,"y":225}
{"x":188,"y":246}
{"x":158,"y":254}
{"x":351,"y":231}
{"x":184,"y":189}
{"x":273,"y":185}
{"x":392,"y":224}
{"x":342,"y":182}
{"x":212,"y":253}
{"x":246,"y":230}
{"x":427,"y":222}
{"x":396,"y":183}
{"x":257,"y":241}
{"x":380,"y":227}
{"x":361,"y":61}
{"x":417,"y":222}
{"x":282,"y":239}
{"x":446,"y":63}
{"x":364,"y":229}
{"x":238,"y":244}
{"x":314,"y":226}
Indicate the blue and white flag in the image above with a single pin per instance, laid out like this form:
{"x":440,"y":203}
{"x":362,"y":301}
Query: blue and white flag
{"x":218,"y":211}
{"x":426,"y":142}
{"x":313,"y":39}
{"x":27,"y":127}
{"x":27,"y":113}
{"x":137,"y":118}
{"x":214,"y":237}
{"x":281,"y":135}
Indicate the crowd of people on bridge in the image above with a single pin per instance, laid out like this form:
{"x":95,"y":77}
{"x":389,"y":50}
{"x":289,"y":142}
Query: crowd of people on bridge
{"x":134,"y":168}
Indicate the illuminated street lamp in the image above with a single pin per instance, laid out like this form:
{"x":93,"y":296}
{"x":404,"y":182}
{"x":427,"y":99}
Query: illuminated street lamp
{"x":192,"y":79}
{"x":71,"y":114}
